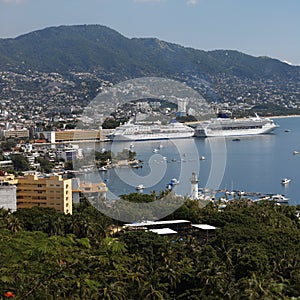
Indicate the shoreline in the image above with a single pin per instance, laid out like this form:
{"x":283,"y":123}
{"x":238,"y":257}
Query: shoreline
{"x":283,"y":116}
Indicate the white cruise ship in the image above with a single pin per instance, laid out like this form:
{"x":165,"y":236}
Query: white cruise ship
{"x":139,"y":132}
{"x":235,"y":127}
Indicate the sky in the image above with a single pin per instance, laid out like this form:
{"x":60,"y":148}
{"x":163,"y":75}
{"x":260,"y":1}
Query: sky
{"x":256,"y":27}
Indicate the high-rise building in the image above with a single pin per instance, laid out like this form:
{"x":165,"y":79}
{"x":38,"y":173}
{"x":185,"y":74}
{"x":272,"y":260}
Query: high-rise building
{"x":54,"y":192}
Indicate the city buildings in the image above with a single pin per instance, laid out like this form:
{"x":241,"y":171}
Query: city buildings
{"x":54,"y":192}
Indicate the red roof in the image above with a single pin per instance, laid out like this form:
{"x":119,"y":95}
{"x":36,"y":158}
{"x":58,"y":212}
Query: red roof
{"x":40,"y":141}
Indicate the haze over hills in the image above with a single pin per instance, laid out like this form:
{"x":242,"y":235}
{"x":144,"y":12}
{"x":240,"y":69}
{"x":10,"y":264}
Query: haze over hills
{"x":94,"y":47}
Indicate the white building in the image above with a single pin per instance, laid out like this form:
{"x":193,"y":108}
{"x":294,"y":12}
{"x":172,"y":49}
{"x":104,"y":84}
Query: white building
{"x":8,"y":197}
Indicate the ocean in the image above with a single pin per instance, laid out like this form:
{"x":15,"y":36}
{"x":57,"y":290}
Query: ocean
{"x":253,"y":164}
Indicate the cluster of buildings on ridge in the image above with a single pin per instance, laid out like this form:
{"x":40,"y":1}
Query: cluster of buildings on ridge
{"x":32,"y":101}
{"x":39,"y":110}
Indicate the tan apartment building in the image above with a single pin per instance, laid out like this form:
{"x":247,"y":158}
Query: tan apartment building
{"x":78,"y":135}
{"x":54,"y":192}
{"x":15,"y":133}
{"x":75,"y":135}
{"x":8,"y":178}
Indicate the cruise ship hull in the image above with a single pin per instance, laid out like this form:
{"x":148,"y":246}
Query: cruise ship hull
{"x":148,"y":137}
{"x":246,"y":127}
{"x":131,"y":132}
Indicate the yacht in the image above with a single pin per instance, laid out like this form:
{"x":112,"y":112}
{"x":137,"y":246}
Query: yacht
{"x":285,"y":181}
{"x":278,"y":198}
{"x":235,"y":127}
{"x":140,"y":187}
{"x":103,"y":169}
{"x":174,"y":181}
{"x":157,"y":131}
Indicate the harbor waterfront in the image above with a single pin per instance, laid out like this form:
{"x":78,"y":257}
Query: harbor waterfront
{"x":254,"y":164}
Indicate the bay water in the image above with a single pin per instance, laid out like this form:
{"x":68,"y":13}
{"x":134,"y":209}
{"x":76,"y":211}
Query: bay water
{"x":255,"y":164}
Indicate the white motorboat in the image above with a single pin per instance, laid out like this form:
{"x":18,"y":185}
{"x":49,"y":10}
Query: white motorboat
{"x":279,"y":198}
{"x":285,"y":181}
{"x":174,"y":181}
{"x":140,"y":187}
{"x":103,"y":169}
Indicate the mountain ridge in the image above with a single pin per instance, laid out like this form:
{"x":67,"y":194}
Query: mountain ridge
{"x":96,"y":47}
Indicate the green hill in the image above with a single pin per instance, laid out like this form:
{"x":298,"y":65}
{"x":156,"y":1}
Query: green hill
{"x":95,"y":47}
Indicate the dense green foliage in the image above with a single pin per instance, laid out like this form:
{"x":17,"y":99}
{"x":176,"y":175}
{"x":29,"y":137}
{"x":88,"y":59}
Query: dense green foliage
{"x":95,"y":47}
{"x":254,"y":254}
{"x":108,"y":156}
{"x":20,"y":162}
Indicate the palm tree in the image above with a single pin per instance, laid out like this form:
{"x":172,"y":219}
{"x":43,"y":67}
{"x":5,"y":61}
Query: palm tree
{"x":14,"y":224}
{"x":115,"y":291}
{"x":150,"y":293}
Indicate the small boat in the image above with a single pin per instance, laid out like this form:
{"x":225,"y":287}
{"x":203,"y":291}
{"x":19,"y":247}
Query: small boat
{"x":278,"y":198}
{"x":230,"y":193}
{"x":285,"y":180}
{"x":174,"y":181}
{"x":295,"y":152}
{"x":202,"y":158}
{"x":140,"y":187}
{"x":236,"y":140}
{"x":241,"y":193}
{"x":137,"y":166}
{"x":103,"y":169}
{"x":155,"y":150}
{"x":287,"y":130}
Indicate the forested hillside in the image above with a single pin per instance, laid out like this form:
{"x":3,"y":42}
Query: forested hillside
{"x":95,"y":47}
{"x":254,"y":254}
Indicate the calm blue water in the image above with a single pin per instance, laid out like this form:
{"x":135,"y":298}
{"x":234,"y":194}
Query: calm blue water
{"x":253,"y":164}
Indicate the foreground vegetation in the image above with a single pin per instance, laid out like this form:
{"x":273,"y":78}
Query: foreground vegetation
{"x":255,"y":254}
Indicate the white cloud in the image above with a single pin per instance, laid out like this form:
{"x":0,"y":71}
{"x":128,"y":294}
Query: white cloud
{"x":192,"y":2}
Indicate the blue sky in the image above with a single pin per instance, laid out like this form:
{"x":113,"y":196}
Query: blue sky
{"x":257,"y":27}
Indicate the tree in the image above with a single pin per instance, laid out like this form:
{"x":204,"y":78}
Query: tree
{"x":13,"y":223}
{"x":20,"y":162}
{"x":46,"y":164}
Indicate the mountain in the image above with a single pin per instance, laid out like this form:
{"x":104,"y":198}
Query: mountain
{"x":94,"y":47}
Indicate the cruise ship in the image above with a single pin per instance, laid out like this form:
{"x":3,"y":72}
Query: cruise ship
{"x":141,"y":132}
{"x":235,"y":127}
